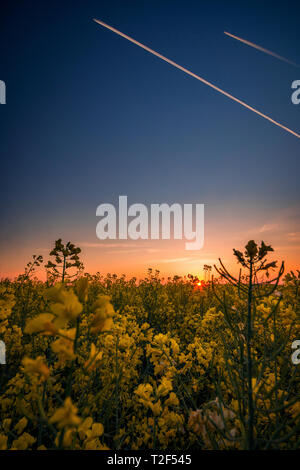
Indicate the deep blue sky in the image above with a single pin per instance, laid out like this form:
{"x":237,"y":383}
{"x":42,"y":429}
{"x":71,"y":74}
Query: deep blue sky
{"x":90,"y":116}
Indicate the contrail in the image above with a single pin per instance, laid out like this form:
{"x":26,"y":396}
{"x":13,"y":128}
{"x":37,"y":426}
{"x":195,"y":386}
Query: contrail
{"x":262,"y":49}
{"x":197,"y":77}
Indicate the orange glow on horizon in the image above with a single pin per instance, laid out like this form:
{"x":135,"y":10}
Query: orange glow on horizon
{"x":137,"y":266}
{"x":133,"y":258}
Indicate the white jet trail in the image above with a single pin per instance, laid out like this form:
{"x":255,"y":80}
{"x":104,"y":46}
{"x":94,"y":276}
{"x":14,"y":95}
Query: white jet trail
{"x":196,"y":76}
{"x":262,"y":49}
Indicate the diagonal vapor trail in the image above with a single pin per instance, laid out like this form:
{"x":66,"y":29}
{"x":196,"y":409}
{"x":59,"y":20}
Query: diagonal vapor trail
{"x":211,"y":85}
{"x":262,"y":49}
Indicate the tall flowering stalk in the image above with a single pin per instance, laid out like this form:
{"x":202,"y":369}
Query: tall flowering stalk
{"x":254,"y":261}
{"x":65,"y":257}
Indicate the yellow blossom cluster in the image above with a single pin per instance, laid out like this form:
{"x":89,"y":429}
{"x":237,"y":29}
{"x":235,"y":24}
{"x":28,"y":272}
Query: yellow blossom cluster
{"x":108,"y":363}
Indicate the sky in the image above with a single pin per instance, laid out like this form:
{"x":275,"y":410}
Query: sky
{"x":90,"y":116}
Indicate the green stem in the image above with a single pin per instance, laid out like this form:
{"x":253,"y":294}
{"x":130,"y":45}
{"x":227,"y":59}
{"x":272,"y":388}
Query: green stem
{"x":249,"y":363}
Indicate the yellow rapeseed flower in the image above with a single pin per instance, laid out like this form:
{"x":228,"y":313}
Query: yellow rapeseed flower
{"x":36,"y":366}
{"x":156,"y":408}
{"x":172,"y":400}
{"x":164,"y":388}
{"x":82,"y":287}
{"x":65,"y":305}
{"x":66,"y":415}
{"x":96,"y":431}
{"x":84,"y":427}
{"x":23,"y":442}
{"x":6,"y":424}
{"x":41,"y":323}
{"x":21,"y":425}
{"x":3,"y":442}
{"x":63,"y":347}
{"x":103,"y":313}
